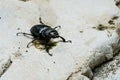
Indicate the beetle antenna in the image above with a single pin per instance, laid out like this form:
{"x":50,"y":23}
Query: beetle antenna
{"x":40,"y":19}
{"x":57,"y":27}
{"x":63,"y":40}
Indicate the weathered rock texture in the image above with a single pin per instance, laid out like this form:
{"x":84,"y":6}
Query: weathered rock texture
{"x":110,"y":70}
{"x":92,"y":25}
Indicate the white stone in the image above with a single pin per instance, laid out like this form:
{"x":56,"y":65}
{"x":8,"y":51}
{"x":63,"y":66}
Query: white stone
{"x":73,"y":16}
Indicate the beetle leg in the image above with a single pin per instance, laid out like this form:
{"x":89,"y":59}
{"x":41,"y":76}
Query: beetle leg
{"x":40,"y":19}
{"x":24,"y":34}
{"x":63,"y":40}
{"x":47,"y":49}
{"x":57,"y":27}
{"x":28,"y":45}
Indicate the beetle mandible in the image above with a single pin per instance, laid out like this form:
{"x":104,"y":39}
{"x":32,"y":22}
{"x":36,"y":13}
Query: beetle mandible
{"x":43,"y":33}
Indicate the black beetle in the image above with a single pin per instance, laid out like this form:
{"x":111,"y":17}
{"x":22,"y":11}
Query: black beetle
{"x":44,"y":33}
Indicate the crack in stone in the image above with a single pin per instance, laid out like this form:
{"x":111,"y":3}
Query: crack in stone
{"x":104,"y":69}
{"x":68,"y":78}
{"x":87,"y":73}
{"x":5,"y":67}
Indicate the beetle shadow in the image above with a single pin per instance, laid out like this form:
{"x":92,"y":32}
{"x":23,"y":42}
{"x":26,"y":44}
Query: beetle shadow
{"x":39,"y":45}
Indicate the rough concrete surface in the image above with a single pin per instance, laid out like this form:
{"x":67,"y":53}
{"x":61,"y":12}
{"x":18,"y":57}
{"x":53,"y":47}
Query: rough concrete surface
{"x":91,"y":25}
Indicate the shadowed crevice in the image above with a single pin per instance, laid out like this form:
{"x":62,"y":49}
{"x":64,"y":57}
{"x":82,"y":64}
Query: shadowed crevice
{"x":5,"y":67}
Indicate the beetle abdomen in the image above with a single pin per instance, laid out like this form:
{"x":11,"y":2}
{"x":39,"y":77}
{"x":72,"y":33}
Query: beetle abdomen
{"x":38,"y":30}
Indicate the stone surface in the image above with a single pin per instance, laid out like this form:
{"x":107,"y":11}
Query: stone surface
{"x":94,"y":38}
{"x":5,"y":63}
{"x":109,"y":70}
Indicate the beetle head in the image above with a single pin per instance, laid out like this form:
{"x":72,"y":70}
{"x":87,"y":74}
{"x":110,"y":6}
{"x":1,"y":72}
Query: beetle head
{"x":54,"y":34}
